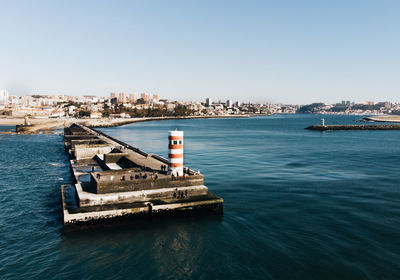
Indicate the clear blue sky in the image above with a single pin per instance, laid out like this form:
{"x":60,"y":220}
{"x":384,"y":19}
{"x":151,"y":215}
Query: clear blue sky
{"x":271,"y":51}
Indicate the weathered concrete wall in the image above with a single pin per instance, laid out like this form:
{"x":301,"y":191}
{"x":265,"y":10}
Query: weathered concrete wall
{"x":93,"y":141}
{"x":112,"y":182}
{"x":89,"y":151}
{"x":90,"y":199}
{"x":102,"y":217}
{"x":113,"y":157}
{"x":69,"y":138}
{"x":146,"y":184}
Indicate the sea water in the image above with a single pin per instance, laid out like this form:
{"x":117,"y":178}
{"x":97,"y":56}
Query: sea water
{"x":298,"y":204}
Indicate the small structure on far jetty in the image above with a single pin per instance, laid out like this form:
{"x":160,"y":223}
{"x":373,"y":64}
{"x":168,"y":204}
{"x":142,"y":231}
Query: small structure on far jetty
{"x":24,"y":127}
{"x":115,"y":183}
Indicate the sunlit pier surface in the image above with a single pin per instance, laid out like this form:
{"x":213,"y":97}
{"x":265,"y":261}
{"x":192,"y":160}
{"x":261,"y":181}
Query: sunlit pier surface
{"x":115,"y":183}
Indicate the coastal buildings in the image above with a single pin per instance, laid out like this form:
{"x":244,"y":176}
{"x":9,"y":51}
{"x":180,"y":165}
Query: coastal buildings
{"x":150,"y":105}
{"x":3,"y":97}
{"x":351,"y":108}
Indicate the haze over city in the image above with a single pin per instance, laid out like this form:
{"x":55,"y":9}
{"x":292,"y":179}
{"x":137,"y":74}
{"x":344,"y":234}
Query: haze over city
{"x":260,"y":51}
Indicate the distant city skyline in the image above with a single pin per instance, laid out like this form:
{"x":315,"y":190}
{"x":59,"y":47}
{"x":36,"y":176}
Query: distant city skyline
{"x":295,"y":52}
{"x":123,"y":97}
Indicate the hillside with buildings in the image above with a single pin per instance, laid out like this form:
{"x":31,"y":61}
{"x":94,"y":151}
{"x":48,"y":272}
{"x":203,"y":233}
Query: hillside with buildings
{"x":121,"y":105}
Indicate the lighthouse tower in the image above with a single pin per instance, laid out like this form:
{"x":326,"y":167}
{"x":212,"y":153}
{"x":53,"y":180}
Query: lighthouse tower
{"x":175,"y":152}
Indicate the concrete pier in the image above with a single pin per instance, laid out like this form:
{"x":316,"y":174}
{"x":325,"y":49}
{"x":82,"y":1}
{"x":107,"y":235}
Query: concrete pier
{"x":353,"y":127}
{"x":115,"y":183}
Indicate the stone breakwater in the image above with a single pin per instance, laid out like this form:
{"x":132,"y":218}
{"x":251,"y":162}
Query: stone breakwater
{"x":353,"y":127}
{"x":115,"y":183}
{"x":46,"y":125}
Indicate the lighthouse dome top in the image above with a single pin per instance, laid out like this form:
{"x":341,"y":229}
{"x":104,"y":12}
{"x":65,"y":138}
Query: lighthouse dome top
{"x":175,"y":133}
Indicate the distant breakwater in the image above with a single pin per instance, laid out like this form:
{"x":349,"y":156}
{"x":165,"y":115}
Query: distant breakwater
{"x":353,"y":127}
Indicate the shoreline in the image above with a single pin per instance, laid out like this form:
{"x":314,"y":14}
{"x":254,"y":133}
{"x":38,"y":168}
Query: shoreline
{"x":147,"y":119}
{"x":47,"y":125}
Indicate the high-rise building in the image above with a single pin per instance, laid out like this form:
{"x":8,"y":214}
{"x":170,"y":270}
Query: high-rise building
{"x":132,"y":97}
{"x":3,"y":97}
{"x":208,"y":102}
{"x":145,"y":97}
{"x":229,"y":103}
{"x":25,"y":101}
{"x":121,"y":97}
{"x":113,"y":95}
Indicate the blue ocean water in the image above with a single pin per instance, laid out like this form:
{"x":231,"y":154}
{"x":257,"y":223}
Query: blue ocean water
{"x":7,"y":128}
{"x":299,"y":204}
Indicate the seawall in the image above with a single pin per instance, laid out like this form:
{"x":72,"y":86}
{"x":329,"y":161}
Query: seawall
{"x":353,"y":127}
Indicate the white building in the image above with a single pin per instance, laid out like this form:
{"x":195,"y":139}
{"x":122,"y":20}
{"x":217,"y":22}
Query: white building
{"x":208,"y":102}
{"x":229,"y":103}
{"x":3,"y":97}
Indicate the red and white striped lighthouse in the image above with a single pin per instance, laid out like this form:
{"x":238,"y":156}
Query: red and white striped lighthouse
{"x":175,"y":152}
